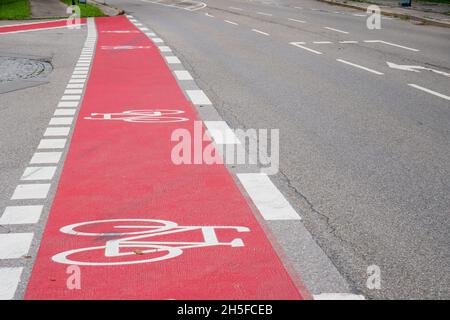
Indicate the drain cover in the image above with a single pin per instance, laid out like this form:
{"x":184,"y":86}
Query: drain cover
{"x":19,"y":72}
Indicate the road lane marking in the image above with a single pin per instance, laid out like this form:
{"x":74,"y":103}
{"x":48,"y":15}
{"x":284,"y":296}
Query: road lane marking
{"x":260,"y":32}
{"x":437,"y":94}
{"x":31,"y":191}
{"x":183,"y":75}
{"x":198,"y":97}
{"x":38,"y":173}
{"x":9,"y":281}
{"x":52,"y":143}
{"x":348,"y":41}
{"x":75,"y":86}
{"x":264,"y":14}
{"x":172,"y":60}
{"x":221,"y":132}
{"x":45,"y":157}
{"x":300,"y":8}
{"x":57,"y":132}
{"x":231,"y":22}
{"x":209,"y":15}
{"x":322,"y":42}
{"x":21,"y":215}
{"x":267,"y":198}
{"x":73,"y":91}
{"x":157,"y":40}
{"x":55,"y":121}
{"x":337,"y":30}
{"x":299,"y":45}
{"x":235,"y":8}
{"x":391,"y":44}
{"x":68,"y":104}
{"x":296,"y":20}
{"x":360,"y":67}
{"x":164,"y":49}
{"x":71,"y":97}
{"x":338,"y":296}
{"x":14,"y":245}
{"x":65,"y":112}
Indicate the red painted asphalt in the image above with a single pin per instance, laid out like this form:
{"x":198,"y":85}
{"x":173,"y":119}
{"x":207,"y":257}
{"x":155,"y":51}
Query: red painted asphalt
{"x":118,"y":170}
{"x":36,"y":26}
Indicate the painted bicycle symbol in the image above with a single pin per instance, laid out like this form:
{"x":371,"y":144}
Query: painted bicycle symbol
{"x":129,"y":246}
{"x":142,"y":116}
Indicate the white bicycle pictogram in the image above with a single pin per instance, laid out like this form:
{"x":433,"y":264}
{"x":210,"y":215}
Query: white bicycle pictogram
{"x":142,"y":116}
{"x":133,"y":238}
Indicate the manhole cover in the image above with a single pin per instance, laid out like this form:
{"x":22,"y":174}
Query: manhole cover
{"x":13,"y":69}
{"x":21,"y":72}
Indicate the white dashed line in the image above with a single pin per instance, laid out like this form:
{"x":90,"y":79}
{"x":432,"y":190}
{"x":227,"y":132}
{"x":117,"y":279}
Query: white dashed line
{"x":391,"y":44}
{"x":299,"y":45}
{"x":231,"y":22}
{"x":57,"y":132}
{"x":209,"y":15}
{"x":360,"y":67}
{"x":261,"y":32}
{"x":71,"y":97}
{"x":221,"y":132}
{"x":73,"y":91}
{"x":68,"y":104}
{"x":237,"y":9}
{"x":267,"y":198}
{"x":337,"y":30}
{"x":60,"y":121}
{"x":30,"y":191}
{"x":348,"y":41}
{"x":172,"y":60}
{"x":198,"y":97}
{"x":183,"y":75}
{"x":52,"y":143}
{"x":9,"y":280}
{"x":38,"y":173}
{"x":75,"y":86}
{"x":264,"y":14}
{"x":157,"y":40}
{"x":14,"y":245}
{"x":21,"y":215}
{"x":322,"y":42}
{"x":65,"y":112}
{"x":437,"y":94}
{"x":296,"y":20}
{"x":338,"y":296}
{"x":45,"y":157}
{"x":164,"y":49}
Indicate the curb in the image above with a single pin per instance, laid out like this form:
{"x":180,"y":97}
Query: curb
{"x":392,"y":14}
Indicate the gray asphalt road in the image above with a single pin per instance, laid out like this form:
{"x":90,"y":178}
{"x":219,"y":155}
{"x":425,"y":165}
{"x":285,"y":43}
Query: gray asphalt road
{"x":364,"y":155}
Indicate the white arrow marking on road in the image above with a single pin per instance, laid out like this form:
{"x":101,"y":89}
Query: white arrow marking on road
{"x":415,"y":68}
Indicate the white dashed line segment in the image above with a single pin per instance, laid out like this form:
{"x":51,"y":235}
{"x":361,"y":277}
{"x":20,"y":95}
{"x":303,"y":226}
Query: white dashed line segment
{"x":437,"y":94}
{"x":360,"y":67}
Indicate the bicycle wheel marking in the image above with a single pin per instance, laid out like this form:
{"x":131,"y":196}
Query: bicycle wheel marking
{"x":112,"y":248}
{"x":142,"y":116}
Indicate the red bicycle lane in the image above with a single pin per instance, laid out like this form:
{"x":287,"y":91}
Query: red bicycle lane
{"x":146,"y":228}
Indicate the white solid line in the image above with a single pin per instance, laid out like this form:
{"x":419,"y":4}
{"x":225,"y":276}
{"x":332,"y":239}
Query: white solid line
{"x":360,"y":67}
{"x":52,"y":143}
{"x":322,"y":42}
{"x":39,"y":29}
{"x":38,"y":173}
{"x":265,"y":14}
{"x":68,"y":104}
{"x":221,"y":132}
{"x":65,"y":112}
{"x":437,"y":94}
{"x":31,"y":191}
{"x":14,"y":245}
{"x":164,"y":49}
{"x":183,"y":75}
{"x":261,"y":32}
{"x":21,"y":215}
{"x":60,"y":121}
{"x":296,"y":20}
{"x":57,"y":132}
{"x":45,"y":157}
{"x":9,"y":280}
{"x":172,"y":59}
{"x":198,"y":97}
{"x":267,"y":198}
{"x":337,"y":30}
{"x":231,"y":22}
{"x":297,"y":44}
{"x":338,"y":296}
{"x":391,"y":44}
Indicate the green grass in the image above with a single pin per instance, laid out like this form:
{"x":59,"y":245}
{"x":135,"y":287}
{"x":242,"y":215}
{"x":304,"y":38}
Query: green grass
{"x":14,"y":9}
{"x":87,"y":10}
